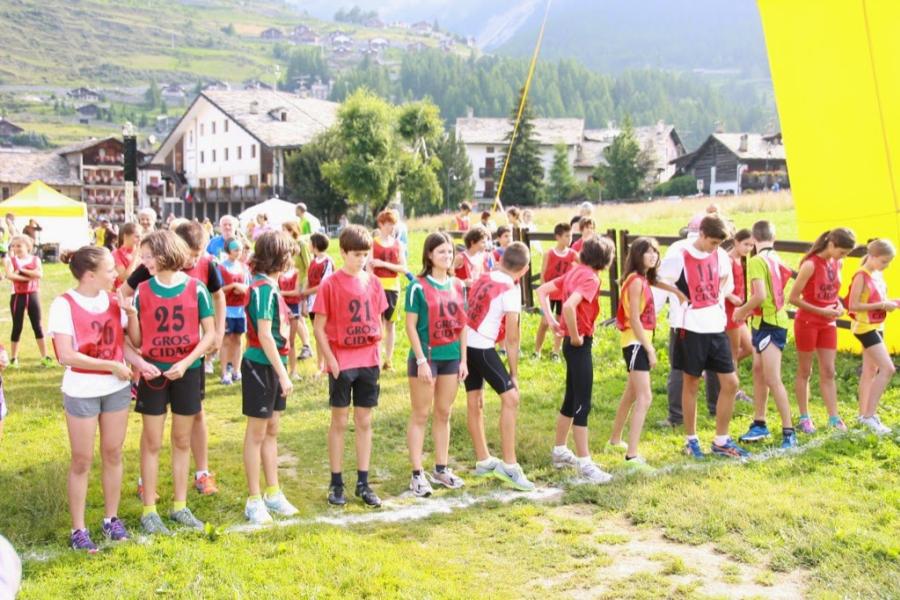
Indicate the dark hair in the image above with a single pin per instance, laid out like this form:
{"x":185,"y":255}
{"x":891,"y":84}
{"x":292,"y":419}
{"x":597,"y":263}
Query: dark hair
{"x":763,"y":231}
{"x":485,"y":215}
{"x":126,"y":229}
{"x":84,"y":260}
{"x":355,"y":238}
{"x":291,"y":229}
{"x":513,"y":212}
{"x":634,"y":260}
{"x":169,"y":250}
{"x":432,"y":242}
{"x":272,"y":253}
{"x":192,"y":233}
{"x":586,"y":222}
{"x":713,"y":226}
{"x":515,"y":257}
{"x":561,"y":228}
{"x":319,"y":241}
{"x":742,"y":234}
{"x":597,"y":253}
{"x":841,"y":237}
{"x":475,"y":235}
{"x":574,"y":220}
{"x":465,"y":206}
{"x":502,"y":230}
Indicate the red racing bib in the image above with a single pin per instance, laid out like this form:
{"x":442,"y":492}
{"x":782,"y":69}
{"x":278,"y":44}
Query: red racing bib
{"x":24,"y":287}
{"x":287,"y":282}
{"x":648,"y":315}
{"x":98,"y":335}
{"x":446,"y":312}
{"x":875,"y":316}
{"x":359,"y":324}
{"x":481,"y":294}
{"x":170,"y":327}
{"x":233,"y":297}
{"x":702,"y":275}
{"x":284,"y":321}
{"x":200,"y":270}
{"x":780,"y":275}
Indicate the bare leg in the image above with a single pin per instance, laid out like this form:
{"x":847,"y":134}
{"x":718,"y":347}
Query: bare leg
{"x":689,"y":387}
{"x":336,"y":432}
{"x":509,"y":407}
{"x":362,"y":420}
{"x":444,"y":395}
{"x":801,"y":380}
{"x":878,"y":355}
{"x":771,"y":361}
{"x":827,"y":385}
{"x":643,"y":397}
{"x":421,"y":395}
{"x":151,"y":443}
{"x":625,"y":405}
{"x":113,"y":427}
{"x":270,"y":449}
{"x":475,"y":423}
{"x":728,"y":385}
{"x":580,"y":436}
{"x":81,"y":441}
{"x":198,"y":442}
{"x":253,"y":441}
{"x":182,"y":427}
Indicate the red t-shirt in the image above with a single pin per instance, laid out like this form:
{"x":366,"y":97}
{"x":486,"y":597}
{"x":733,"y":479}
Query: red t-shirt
{"x":557,"y":266}
{"x":122,"y":257}
{"x":584,"y":280}
{"x":367,"y":296}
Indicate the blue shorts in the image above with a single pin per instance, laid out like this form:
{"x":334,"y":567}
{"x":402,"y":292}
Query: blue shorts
{"x":295,"y":310}
{"x":236,"y":325}
{"x":769,"y":334}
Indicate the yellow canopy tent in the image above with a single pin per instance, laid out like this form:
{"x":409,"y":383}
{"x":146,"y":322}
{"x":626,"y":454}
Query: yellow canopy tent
{"x":63,"y":221}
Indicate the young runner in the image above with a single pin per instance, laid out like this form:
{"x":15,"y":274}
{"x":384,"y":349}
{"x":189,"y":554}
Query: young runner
{"x":289,"y":286}
{"x":471,"y":263}
{"x":235,"y":284}
{"x":868,"y":304}
{"x":738,"y":333}
{"x":302,"y":258}
{"x":436,"y":327}
{"x":816,"y":295}
{"x":387,"y":263}
{"x":171,"y":310}
{"x":320,"y":269}
{"x":494,"y":304}
{"x":266,"y":384}
{"x":504,"y":237}
{"x":348,"y":310}
{"x":126,"y":256}
{"x":463,"y":216}
{"x":586,"y":229}
{"x":4,"y":362}
{"x":636,"y":320}
{"x":87,"y":326}
{"x":581,"y":289}
{"x":557,"y":262}
{"x":702,"y":272}
{"x":25,"y":271}
{"x":768,"y":277}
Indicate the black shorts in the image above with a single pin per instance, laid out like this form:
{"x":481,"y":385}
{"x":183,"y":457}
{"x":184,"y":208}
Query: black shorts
{"x":636,"y":358}
{"x":438,"y":367}
{"x":391,"y":296}
{"x":260,"y":390}
{"x":185,"y":395}
{"x":556,"y":307}
{"x":698,"y":352}
{"x":768,"y":335}
{"x":870,"y":338}
{"x":361,"y":384}
{"x":294,"y":310}
{"x":485,"y":365}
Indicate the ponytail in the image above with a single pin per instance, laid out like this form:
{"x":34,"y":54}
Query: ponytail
{"x":879,"y":247}
{"x":840,"y":237}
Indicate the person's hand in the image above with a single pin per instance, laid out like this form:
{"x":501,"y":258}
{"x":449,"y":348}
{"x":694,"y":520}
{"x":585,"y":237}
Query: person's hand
{"x":148,"y":370}
{"x":739,"y":315}
{"x":651,"y":356}
{"x":682,"y":299}
{"x":176,"y":371}
{"x":424,"y":371}
{"x":576,"y":340}
{"x":333,"y":367}
{"x":463,"y":371}
{"x":121,"y":371}
{"x":515,"y":381}
{"x":889,"y":305}
{"x":555,"y":326}
{"x":217,"y":343}
{"x":833,"y":312}
{"x":126,"y":303}
{"x":287,"y":386}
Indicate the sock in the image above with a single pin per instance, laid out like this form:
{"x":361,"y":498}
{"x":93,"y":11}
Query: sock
{"x":560,"y":449}
{"x":199,"y":474}
{"x":417,"y":472}
{"x":583,"y":460}
{"x":759,"y":423}
{"x":486,"y":462}
{"x":834,"y":420}
{"x":176,"y":506}
{"x":271,"y":490}
{"x":691,"y":437}
{"x":149,"y":510}
{"x":786,"y":431}
{"x":362,"y":478}
{"x":108,"y":520}
{"x":255,"y":498}
{"x":337,"y":479}
{"x":721,"y":440}
{"x":510,"y":466}
{"x":804,"y":417}
{"x":440,"y":468}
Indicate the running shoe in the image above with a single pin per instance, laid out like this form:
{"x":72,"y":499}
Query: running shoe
{"x":236,"y":376}
{"x":742,"y":396}
{"x":336,"y":495}
{"x":837,"y":423}
{"x":806,"y":426}
{"x":514,"y":476}
{"x":14,"y":363}
{"x":729,"y":449}
{"x":115,"y":530}
{"x":874,"y":424}
{"x":279,"y":505}
{"x":305,"y":352}
{"x":593,"y":473}
{"x":140,"y":491}
{"x":368,"y":496}
{"x":554,"y":357}
{"x":560,"y":459}
{"x":638,"y":465}
{"x":446,"y":478}
{"x":206,"y":484}
{"x":487,"y":466}
{"x":186,"y":518}
{"x":81,"y":540}
{"x":692,"y":449}
{"x":419,"y":486}
{"x":882,"y":428}
{"x":256,"y":513}
{"x":152,"y":524}
{"x":297,"y":377}
{"x":47,"y":362}
{"x":226,"y":379}
{"x":755,"y":433}
{"x":789,"y":440}
{"x":208,"y":367}
{"x":616,"y":448}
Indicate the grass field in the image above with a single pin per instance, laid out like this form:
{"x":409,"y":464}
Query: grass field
{"x":823,"y":522}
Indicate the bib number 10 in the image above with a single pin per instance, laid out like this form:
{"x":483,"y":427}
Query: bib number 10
{"x":175,"y":319}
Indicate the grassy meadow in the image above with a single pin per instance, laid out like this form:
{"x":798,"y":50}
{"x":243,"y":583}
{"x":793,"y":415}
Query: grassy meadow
{"x":823,"y":522}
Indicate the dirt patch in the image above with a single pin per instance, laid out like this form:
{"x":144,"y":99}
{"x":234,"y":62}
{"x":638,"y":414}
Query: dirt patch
{"x":288,"y":463}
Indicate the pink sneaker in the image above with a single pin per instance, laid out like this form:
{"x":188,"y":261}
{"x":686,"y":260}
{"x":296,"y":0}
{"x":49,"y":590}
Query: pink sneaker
{"x":806,"y":426}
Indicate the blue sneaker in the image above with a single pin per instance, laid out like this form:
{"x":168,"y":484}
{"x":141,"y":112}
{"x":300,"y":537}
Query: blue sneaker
{"x":755,"y":433}
{"x":789,"y":441}
{"x":692,"y":449}
{"x":729,"y":449}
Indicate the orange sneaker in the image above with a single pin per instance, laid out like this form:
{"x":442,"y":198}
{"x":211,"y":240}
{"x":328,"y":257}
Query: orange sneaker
{"x":206,"y":484}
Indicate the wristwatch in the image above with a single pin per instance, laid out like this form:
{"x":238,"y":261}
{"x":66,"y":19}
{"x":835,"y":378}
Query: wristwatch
{"x":421,"y":361}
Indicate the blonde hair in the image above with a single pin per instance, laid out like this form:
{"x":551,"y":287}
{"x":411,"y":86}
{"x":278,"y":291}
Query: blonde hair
{"x":169,"y":250}
{"x":880,"y":247}
{"x":21,"y":238}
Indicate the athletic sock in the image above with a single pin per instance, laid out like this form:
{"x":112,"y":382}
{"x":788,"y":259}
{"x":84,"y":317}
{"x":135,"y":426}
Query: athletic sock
{"x":786,"y":431}
{"x":255,"y":498}
{"x":583,"y":460}
{"x":176,"y":506}
{"x":721,"y":440}
{"x":806,"y":417}
{"x":337,"y":479}
{"x":362,"y":478}
{"x":834,"y":420}
{"x":560,"y":449}
{"x":440,"y":468}
{"x":759,"y":423}
{"x":272,"y":490}
{"x":417,"y":472}
{"x":486,"y":462}
{"x":199,"y":474}
{"x":691,"y":438}
{"x":509,"y":466}
{"x":149,"y":510}
{"x":107,"y":520}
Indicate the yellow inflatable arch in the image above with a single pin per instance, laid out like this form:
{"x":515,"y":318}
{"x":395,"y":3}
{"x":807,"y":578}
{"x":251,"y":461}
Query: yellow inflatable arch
{"x":836,"y":69}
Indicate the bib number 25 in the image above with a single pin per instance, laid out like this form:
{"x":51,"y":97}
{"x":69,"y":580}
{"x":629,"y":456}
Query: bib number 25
{"x":166,"y":320}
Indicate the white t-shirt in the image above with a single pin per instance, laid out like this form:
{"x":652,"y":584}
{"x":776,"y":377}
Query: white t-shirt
{"x":507,"y":302}
{"x":83,"y":385}
{"x":710,"y":319}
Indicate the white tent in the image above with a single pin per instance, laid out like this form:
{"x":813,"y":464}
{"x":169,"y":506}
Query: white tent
{"x":63,"y":221}
{"x":279,"y":211}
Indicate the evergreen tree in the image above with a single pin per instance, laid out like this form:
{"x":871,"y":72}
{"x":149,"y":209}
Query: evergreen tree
{"x":152,"y":97}
{"x":455,"y":174}
{"x":562,"y":182}
{"x":627,"y":167}
{"x":524,"y":183}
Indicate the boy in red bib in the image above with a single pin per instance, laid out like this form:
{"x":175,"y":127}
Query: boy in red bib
{"x":586,"y":229}
{"x":387,"y":263}
{"x":235,"y":284}
{"x":470,"y":264}
{"x":320,"y":268}
{"x":557,"y":262}
{"x":348,"y":310}
{"x":494,"y":304}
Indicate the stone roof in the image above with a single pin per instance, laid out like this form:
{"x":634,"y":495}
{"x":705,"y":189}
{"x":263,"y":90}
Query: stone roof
{"x":759,"y":147}
{"x":306,"y":117}
{"x":24,"y":167}
{"x":549,"y":132}
{"x":84,"y":145}
{"x":653,"y":137}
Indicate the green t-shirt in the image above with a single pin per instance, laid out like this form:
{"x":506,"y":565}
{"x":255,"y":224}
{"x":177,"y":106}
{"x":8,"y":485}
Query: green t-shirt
{"x":263,"y":304}
{"x":758,"y":268}
{"x":416,"y":303}
{"x":204,"y":304}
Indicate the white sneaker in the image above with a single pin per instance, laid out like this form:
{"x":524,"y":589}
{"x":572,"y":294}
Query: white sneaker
{"x":561,"y":459}
{"x":257,"y":513}
{"x":208,"y":367}
{"x":514,"y":476}
{"x":419,"y":486}
{"x":279,"y":505}
{"x":594,"y":474}
{"x":487,"y":466}
{"x":874,"y":424}
{"x":446,"y":478}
